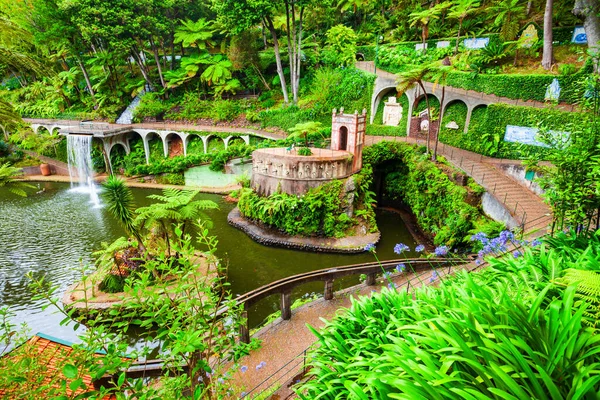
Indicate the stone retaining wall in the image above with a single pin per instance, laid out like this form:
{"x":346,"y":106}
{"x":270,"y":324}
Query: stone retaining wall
{"x":271,"y":237}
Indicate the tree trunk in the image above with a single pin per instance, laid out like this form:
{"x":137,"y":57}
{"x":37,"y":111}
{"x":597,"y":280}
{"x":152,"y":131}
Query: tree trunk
{"x":547,"y":55}
{"x":291,"y":42}
{"x":297,"y":59}
{"x":458,"y":37}
{"x":589,"y":9}
{"x":140,"y":64}
{"x":87,"y":81}
{"x":439,"y":127}
{"x":428,"y":115}
{"x":269,"y":24}
{"x":157,"y":60}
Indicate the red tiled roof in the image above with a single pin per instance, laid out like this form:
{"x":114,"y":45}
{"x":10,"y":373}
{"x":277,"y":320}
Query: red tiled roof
{"x":40,"y":362}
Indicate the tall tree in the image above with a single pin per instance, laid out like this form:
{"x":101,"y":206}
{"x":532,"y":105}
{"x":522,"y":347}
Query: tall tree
{"x":237,"y":16}
{"x":415,"y":75}
{"x":425,"y":17}
{"x":461,"y":10}
{"x":590,"y":11}
{"x":547,"y":56}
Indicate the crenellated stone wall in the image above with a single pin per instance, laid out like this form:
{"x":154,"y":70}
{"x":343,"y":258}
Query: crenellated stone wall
{"x":279,"y":169}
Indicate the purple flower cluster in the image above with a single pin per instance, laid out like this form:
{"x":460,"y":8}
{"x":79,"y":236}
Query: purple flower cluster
{"x":434,"y":276}
{"x":499,"y":245}
{"x":400,"y":267}
{"x":401,"y":248}
{"x":441,"y":251}
{"x":261,"y":365}
{"x":420,"y":248}
{"x":370,"y":247}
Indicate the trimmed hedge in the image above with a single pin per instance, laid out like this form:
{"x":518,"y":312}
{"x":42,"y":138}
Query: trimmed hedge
{"x":522,"y":87}
{"x":488,"y":126}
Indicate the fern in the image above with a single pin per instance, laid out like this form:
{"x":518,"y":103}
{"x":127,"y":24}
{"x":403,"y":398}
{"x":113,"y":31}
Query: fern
{"x":587,"y":285}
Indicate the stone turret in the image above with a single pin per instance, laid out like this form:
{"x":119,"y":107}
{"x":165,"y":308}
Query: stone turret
{"x":348,"y":134}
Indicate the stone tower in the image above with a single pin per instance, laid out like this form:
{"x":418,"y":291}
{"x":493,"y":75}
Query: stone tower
{"x":348,"y":134}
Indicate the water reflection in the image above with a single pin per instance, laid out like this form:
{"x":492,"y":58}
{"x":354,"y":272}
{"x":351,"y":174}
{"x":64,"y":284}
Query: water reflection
{"x":53,"y":233}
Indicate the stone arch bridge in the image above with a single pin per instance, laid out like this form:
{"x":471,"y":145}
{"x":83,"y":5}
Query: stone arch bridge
{"x":112,"y":135}
{"x":386,"y":82}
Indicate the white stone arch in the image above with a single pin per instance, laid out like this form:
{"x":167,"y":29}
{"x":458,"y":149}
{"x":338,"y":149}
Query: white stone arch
{"x":166,"y":135}
{"x":146,"y":134}
{"x":54,"y":128}
{"x":470,"y":108}
{"x":209,"y":136}
{"x":245,"y":138}
{"x":191,"y":136}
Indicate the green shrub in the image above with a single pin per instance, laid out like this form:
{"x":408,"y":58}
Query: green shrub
{"x":112,"y":284}
{"x":225,"y":110}
{"x":442,"y":207}
{"x":151,"y":105}
{"x":304,"y":151}
{"x":492,"y":334}
{"x":567,"y":69}
{"x":171,"y":179}
{"x":317,"y":213}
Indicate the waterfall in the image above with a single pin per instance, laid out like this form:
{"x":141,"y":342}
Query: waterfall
{"x":81,"y":171}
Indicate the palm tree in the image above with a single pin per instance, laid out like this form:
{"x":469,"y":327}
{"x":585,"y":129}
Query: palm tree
{"x":461,"y":10}
{"x":8,"y":179}
{"x":439,"y":75}
{"x":409,"y":78}
{"x":120,"y":203}
{"x":424,"y":17}
{"x":177,"y":209}
{"x":508,"y":14}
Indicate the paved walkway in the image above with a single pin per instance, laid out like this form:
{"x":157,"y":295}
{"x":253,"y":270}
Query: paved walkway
{"x":524,"y":205}
{"x":284,"y":343}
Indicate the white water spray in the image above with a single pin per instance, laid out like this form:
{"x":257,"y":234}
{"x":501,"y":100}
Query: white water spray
{"x":79,"y":151}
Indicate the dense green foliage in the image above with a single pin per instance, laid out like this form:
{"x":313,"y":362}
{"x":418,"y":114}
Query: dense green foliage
{"x":444,"y":209}
{"x":319,"y":212}
{"x":510,"y":331}
{"x":488,"y":127}
{"x":135,"y":162}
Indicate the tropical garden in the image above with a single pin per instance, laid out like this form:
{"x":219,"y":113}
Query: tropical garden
{"x":523,"y":324}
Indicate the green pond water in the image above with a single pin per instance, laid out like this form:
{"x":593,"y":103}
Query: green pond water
{"x":53,"y":234}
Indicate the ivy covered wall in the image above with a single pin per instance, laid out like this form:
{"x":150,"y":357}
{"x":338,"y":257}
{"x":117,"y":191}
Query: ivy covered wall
{"x":447,"y":211}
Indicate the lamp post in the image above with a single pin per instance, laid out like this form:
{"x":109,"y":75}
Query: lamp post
{"x":377,"y":40}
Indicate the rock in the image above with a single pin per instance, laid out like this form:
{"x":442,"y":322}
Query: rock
{"x":452,"y":125}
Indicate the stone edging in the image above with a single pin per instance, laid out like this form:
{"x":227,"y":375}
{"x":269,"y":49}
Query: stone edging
{"x":271,"y":237}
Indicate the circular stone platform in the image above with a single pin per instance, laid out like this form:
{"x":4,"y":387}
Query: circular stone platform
{"x":272,"y":237}
{"x":279,"y":169}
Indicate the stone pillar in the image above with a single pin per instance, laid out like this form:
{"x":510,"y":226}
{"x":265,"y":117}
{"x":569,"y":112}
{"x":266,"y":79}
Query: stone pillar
{"x":468,"y":120}
{"x":370,"y":279}
{"x":146,"y":148}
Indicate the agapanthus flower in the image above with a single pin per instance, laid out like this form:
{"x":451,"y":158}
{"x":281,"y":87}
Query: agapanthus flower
{"x":441,"y":251}
{"x":370,"y":247}
{"x":400,"y":267}
{"x":401,"y":248}
{"x":420,"y":248}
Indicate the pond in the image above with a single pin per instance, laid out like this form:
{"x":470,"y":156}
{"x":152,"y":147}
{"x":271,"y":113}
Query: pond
{"x":54,"y":232}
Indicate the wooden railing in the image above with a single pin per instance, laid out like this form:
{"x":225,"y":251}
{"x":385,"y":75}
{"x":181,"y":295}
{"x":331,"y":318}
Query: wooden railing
{"x":285,"y":286}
